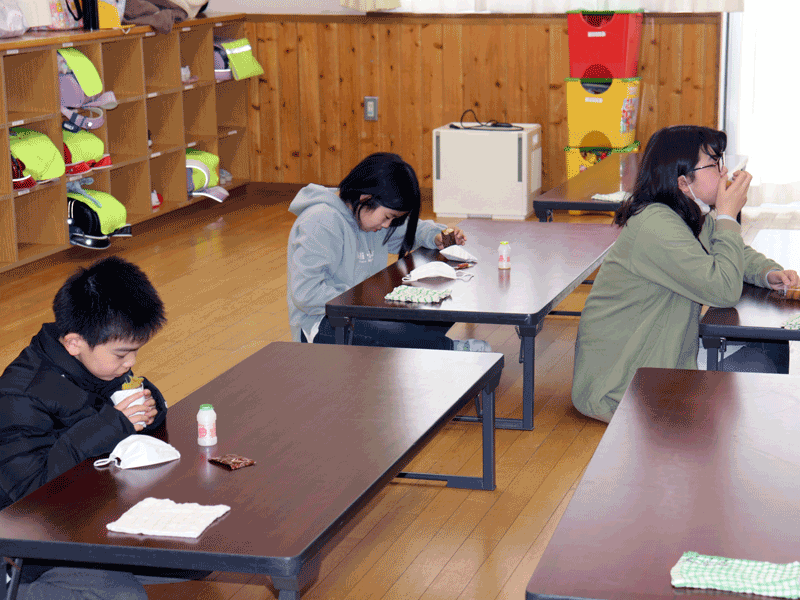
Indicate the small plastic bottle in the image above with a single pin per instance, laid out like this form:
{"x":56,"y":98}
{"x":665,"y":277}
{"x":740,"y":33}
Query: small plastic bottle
{"x":206,"y":425}
{"x":504,"y":256}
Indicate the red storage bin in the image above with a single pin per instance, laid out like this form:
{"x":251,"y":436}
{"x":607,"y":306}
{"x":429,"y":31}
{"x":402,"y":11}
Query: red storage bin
{"x":604,"y":45}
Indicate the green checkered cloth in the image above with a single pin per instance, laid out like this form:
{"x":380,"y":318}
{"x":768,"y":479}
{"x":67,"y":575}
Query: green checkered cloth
{"x":408,"y":293}
{"x":793,"y":323}
{"x":695,"y":570}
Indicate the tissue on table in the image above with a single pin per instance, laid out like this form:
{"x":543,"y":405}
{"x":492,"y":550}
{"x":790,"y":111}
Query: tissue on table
{"x":620,"y":196}
{"x":457,"y":253}
{"x":154,"y":516}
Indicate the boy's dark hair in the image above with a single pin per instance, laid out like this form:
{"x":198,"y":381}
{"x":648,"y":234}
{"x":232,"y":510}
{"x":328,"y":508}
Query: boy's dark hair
{"x":390,"y":182}
{"x":111,"y":300}
{"x":670,"y":153}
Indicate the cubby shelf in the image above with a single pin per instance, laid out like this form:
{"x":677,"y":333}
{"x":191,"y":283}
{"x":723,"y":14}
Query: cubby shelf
{"x":159,"y":115}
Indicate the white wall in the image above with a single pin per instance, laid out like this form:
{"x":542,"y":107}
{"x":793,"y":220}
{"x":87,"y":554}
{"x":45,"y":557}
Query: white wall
{"x":286,"y":7}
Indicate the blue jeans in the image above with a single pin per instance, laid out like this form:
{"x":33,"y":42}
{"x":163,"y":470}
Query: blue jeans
{"x":75,"y":583}
{"x":390,"y":334}
{"x":759,"y":357}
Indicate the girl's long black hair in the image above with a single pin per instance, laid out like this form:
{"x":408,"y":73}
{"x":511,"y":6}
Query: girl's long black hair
{"x":670,"y":153}
{"x":390,"y":182}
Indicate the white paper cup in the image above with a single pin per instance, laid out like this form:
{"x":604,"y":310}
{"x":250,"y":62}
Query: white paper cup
{"x":120,"y":395}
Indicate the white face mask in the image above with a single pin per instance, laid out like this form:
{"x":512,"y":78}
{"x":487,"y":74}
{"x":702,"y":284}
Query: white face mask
{"x":704,"y":208}
{"x":436,"y":268}
{"x":139,"y":451}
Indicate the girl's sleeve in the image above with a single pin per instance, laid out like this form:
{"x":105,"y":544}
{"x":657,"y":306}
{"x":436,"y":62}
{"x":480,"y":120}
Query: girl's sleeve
{"x":756,"y":267}
{"x":316,"y":255}
{"x":426,"y":232}
{"x":667,"y":253}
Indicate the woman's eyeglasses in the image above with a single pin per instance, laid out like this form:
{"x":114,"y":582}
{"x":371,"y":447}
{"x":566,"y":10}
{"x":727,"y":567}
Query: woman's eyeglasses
{"x":719,"y":163}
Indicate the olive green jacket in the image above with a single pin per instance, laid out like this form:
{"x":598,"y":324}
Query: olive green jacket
{"x":644,"y":307}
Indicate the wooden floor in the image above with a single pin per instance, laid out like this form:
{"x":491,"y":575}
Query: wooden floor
{"x":221,"y":271}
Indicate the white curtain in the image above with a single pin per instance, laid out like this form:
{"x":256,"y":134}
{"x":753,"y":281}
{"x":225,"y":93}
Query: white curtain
{"x":767,"y":123}
{"x":370,"y":5}
{"x":560,"y":6}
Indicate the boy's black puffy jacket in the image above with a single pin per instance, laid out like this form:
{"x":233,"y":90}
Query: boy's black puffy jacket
{"x":54,"y":414}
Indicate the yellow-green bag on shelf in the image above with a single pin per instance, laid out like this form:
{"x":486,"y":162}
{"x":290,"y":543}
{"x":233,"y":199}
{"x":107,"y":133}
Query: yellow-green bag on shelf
{"x":94,"y":216}
{"x":199,"y":178}
{"x":42,"y":159}
{"x":241,"y":61}
{"x":202,"y":175}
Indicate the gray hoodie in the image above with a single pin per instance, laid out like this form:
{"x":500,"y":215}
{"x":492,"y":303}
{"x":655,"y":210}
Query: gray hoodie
{"x":328,"y":254}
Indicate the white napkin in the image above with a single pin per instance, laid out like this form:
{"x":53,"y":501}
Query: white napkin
{"x":153,"y":516}
{"x":620,"y":196}
{"x":457,"y":253}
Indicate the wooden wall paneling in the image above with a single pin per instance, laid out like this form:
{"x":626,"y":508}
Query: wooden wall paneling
{"x":330,"y":104}
{"x":427,"y":72}
{"x":310,"y":108}
{"x":369,"y":81}
{"x":253,"y":111}
{"x":391,"y":93}
{"x":269,"y":161}
{"x":537,"y":39}
{"x":517,"y":73}
{"x":557,"y":130}
{"x":289,"y":102}
{"x":453,"y":96}
{"x":670,"y":74}
{"x":432,"y":94}
{"x":350,"y":103}
{"x":711,"y":71}
{"x":691,"y":108}
{"x":411,"y":96}
{"x":496,"y":75}
{"x":474,"y":48}
{"x":649,"y":72}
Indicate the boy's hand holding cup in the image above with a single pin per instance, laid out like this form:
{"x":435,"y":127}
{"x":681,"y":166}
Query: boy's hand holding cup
{"x":134,"y":394}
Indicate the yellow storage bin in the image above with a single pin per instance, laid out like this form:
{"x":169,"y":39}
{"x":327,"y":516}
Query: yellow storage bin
{"x":580,"y":159}
{"x":602,"y":113}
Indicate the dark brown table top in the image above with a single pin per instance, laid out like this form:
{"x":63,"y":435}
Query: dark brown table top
{"x":760,"y":312}
{"x":548,"y":260}
{"x":614,"y":173}
{"x":328,"y":426}
{"x":692,"y":461}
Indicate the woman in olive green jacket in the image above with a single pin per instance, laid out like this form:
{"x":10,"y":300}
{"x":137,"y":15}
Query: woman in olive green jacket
{"x":671,"y":257}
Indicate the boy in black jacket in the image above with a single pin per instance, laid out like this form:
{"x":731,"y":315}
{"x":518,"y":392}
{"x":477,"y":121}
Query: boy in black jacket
{"x":55,"y":401}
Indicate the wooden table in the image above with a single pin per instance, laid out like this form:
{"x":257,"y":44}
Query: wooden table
{"x":328,"y":427}
{"x":614,"y":173}
{"x":760,"y":313}
{"x":617,"y":172}
{"x":548,"y":262}
{"x":692,"y":461}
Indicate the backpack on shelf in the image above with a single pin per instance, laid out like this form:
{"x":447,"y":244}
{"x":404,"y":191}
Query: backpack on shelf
{"x":202,"y":175}
{"x":84,"y":152}
{"x":38,"y":156}
{"x":94,"y":217}
{"x":81,"y":90}
{"x":233,"y":59}
{"x":20,"y":180}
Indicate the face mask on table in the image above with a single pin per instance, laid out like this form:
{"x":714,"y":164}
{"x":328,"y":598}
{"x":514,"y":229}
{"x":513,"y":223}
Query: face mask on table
{"x":139,"y":451}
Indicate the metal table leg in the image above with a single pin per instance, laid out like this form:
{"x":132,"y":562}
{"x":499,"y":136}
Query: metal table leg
{"x":343,"y":329}
{"x":289,"y":588}
{"x":16,"y":573}
{"x":487,"y":480}
{"x":715,"y":350}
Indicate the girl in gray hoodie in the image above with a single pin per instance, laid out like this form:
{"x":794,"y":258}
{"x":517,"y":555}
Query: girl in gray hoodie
{"x":343,"y":236}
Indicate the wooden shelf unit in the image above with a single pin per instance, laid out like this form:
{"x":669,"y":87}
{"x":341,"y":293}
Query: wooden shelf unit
{"x":143,"y":69}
